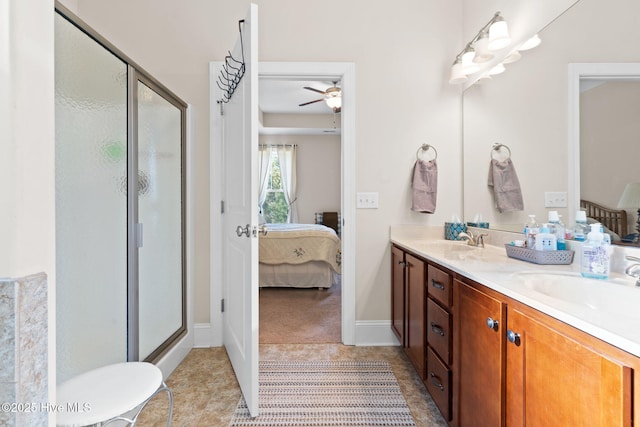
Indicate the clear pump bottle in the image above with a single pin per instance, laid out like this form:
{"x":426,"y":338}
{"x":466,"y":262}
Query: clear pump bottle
{"x":595,"y":254}
{"x":531,"y":229}
{"x":581,"y":228}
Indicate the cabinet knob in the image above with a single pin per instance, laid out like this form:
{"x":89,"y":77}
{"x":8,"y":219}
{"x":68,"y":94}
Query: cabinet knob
{"x":492,"y":324}
{"x":513,"y":337}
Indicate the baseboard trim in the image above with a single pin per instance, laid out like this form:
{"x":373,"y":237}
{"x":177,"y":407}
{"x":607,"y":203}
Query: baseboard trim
{"x":203,"y":336}
{"x":170,"y":360}
{"x":375,"y":333}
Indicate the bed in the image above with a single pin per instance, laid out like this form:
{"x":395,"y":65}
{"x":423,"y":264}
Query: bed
{"x":614,"y":220}
{"x":300,"y":256}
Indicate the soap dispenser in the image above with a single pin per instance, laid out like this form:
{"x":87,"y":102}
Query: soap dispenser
{"x":595,"y":255}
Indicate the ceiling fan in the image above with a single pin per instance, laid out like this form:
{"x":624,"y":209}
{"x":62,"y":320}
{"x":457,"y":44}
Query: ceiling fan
{"x":332,"y":96}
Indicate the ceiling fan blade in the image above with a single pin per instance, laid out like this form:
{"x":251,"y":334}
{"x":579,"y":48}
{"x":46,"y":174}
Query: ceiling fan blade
{"x":311,"y":102}
{"x":315,"y":90}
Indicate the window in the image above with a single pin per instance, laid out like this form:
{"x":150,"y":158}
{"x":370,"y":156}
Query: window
{"x":275,"y":208}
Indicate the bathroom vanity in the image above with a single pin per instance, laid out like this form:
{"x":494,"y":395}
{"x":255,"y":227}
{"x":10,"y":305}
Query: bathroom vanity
{"x":499,"y":341}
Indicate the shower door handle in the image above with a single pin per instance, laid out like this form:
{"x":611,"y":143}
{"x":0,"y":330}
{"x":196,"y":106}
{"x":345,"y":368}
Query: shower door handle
{"x":139,"y":235}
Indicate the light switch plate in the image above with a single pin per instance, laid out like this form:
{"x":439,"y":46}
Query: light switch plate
{"x":555,"y":199}
{"x":367,"y":200}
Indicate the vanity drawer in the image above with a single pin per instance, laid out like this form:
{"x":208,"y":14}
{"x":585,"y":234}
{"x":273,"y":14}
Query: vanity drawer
{"x":439,"y":330}
{"x":438,"y":383}
{"x":439,"y":285}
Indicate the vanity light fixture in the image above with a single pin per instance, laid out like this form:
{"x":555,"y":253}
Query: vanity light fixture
{"x":478,"y":54}
{"x":531,"y":43}
{"x":457,"y":76}
{"x":498,"y":33}
{"x":512,"y":57}
{"x":483,"y":54}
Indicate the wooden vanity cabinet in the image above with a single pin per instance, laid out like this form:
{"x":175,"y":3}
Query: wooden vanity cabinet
{"x":530,"y":369}
{"x":558,"y":375}
{"x":409,"y":305}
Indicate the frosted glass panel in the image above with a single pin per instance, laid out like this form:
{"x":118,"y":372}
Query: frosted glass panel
{"x":160,"y":212}
{"x":91,"y":209}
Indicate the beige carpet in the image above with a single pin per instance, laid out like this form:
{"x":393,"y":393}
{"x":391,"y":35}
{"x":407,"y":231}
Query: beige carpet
{"x":300,"y":316}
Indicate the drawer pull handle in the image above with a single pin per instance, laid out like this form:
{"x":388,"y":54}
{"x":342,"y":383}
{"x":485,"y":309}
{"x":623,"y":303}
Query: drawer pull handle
{"x":513,"y":337}
{"x":492,"y":324}
{"x":437,"y":329}
{"x":436,"y":381}
{"x":437,"y":285}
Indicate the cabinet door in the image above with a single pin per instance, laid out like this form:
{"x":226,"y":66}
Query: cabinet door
{"x":480,"y":350}
{"x":416,"y":312}
{"x":398,"y":293}
{"x":554,"y":380}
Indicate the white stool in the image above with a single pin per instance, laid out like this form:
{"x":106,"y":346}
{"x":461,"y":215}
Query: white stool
{"x":106,"y":394}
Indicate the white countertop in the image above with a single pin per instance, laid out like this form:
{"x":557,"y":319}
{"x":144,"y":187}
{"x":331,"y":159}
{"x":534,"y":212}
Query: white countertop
{"x":606,"y":309}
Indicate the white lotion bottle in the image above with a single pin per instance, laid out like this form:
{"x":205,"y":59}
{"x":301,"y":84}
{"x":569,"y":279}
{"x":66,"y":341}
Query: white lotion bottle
{"x":595,"y":255}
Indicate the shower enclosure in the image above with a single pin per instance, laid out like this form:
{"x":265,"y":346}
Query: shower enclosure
{"x":120,"y":240}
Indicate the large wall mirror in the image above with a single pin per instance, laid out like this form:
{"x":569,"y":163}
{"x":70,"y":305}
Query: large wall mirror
{"x":527,"y":108}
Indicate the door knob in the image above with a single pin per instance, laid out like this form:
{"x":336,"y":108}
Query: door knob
{"x":263,"y":230}
{"x":240,"y":230}
{"x":513,"y":337}
{"x":492,"y":324}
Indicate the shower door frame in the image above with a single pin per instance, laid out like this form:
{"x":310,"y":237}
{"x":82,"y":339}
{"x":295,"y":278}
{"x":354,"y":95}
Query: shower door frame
{"x":136,"y":74}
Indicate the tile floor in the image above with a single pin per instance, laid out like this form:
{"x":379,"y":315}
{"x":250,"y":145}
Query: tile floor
{"x":206,"y":392}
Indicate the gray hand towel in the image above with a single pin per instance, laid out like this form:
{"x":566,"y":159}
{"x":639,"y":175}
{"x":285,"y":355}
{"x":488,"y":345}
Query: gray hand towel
{"x":506,"y":186}
{"x":425,"y":186}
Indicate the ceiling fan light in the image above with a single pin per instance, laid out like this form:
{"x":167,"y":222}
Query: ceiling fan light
{"x":334,"y":101}
{"x":499,"y":34}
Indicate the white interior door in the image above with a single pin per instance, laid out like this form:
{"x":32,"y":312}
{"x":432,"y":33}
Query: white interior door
{"x":240,"y":216}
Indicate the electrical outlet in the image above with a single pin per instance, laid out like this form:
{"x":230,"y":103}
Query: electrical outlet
{"x":555,"y":199}
{"x":367,"y":200}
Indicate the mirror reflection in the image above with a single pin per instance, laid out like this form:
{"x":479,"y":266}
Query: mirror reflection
{"x":527,"y":109}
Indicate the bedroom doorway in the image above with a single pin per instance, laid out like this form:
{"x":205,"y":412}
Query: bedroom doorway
{"x":324,"y":140}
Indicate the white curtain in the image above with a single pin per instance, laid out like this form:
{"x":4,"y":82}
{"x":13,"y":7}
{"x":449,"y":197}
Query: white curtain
{"x":264,"y":170}
{"x":287,"y":157}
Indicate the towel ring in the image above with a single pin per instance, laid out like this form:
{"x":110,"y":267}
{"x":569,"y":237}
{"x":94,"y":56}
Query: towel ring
{"x":425,"y":147}
{"x":496,"y":148}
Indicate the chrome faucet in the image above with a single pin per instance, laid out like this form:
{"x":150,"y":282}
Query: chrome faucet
{"x":476,"y":240}
{"x":633,"y":270}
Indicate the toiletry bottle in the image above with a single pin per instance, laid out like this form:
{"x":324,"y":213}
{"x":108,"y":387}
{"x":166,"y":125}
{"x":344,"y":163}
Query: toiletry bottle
{"x":531,"y":229}
{"x":595,"y":255}
{"x":581,"y":229}
{"x":556,"y":227}
{"x":545,"y":240}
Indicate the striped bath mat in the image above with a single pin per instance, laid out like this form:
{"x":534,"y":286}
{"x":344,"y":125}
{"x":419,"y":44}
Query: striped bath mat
{"x":327,"y":393}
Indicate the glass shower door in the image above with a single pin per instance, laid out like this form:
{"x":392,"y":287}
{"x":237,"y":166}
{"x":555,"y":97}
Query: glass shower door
{"x":91,"y":202}
{"x":160,"y":207}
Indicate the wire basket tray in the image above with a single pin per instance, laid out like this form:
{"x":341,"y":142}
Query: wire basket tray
{"x":539,"y":257}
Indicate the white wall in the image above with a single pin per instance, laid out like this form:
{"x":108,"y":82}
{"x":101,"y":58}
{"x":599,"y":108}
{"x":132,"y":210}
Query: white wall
{"x":402,"y":53}
{"x":27,"y":221}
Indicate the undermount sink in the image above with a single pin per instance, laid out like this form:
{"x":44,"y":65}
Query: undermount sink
{"x":615,"y":295}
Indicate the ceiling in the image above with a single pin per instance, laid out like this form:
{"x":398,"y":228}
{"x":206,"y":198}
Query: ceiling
{"x":280,"y":96}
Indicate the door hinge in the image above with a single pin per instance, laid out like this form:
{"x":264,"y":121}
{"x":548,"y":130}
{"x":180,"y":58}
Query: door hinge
{"x":222,"y":305}
{"x":221,"y":206}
